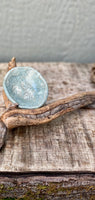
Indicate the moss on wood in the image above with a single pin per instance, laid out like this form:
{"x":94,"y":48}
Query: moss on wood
{"x":46,"y":191}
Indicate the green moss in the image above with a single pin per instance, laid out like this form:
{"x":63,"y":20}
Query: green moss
{"x":43,"y":191}
{"x":10,"y":188}
{"x":1,"y":186}
{"x":42,"y":187}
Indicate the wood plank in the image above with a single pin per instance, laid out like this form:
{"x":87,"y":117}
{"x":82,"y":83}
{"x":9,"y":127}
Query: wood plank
{"x":66,"y":144}
{"x":47,"y":186}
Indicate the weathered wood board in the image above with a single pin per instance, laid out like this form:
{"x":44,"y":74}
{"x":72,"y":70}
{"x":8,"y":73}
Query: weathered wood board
{"x":47,"y":186}
{"x":66,"y":144}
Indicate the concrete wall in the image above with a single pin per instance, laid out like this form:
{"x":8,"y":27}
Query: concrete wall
{"x":47,"y":30}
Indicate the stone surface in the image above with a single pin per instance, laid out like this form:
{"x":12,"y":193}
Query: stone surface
{"x":26,"y":87}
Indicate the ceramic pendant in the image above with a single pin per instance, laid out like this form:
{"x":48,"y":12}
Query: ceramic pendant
{"x":26,"y":87}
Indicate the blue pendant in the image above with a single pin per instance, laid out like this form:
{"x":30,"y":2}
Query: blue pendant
{"x":26,"y":87}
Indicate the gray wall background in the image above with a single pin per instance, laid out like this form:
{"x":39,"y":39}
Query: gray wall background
{"x":47,"y":30}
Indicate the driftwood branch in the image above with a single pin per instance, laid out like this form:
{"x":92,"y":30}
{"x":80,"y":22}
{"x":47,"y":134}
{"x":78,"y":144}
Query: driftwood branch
{"x":93,"y":74}
{"x":16,"y":117}
{"x":12,"y":63}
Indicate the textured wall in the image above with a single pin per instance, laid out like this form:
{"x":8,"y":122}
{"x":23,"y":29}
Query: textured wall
{"x":47,"y":30}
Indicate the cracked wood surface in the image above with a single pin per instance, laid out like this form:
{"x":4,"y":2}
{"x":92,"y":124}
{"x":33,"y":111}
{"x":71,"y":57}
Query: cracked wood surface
{"x":65,"y":144}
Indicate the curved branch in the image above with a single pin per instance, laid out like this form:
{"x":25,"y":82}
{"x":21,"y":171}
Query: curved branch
{"x":16,"y":117}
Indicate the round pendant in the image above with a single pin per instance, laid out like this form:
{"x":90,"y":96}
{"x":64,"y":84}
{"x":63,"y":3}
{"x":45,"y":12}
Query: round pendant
{"x":26,"y":87}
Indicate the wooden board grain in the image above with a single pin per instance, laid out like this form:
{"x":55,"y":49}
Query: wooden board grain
{"x":66,"y":144}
